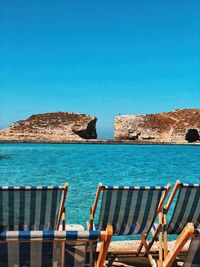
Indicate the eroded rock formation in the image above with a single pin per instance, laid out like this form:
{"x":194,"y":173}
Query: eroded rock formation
{"x":179,"y":126}
{"x":52,"y":127}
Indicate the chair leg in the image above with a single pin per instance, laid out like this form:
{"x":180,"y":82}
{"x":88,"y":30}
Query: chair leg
{"x":104,"y":247}
{"x":187,"y":232}
{"x":152,"y":261}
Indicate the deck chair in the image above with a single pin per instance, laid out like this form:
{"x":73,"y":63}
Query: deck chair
{"x":53,"y":248}
{"x":32,"y":207}
{"x":187,"y":209}
{"x":193,"y":254}
{"x":130,"y":211}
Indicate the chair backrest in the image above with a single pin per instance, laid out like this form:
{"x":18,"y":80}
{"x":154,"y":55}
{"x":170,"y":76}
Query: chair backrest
{"x":187,"y":208}
{"x":48,"y":248}
{"x":31,"y":207}
{"x":193,"y":255}
{"x":130,"y":210}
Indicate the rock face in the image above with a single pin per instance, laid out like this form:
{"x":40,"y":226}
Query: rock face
{"x":179,"y":126}
{"x":52,"y":127}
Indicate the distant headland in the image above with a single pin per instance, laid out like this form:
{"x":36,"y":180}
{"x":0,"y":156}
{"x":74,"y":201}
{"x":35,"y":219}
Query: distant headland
{"x":176,"y":127}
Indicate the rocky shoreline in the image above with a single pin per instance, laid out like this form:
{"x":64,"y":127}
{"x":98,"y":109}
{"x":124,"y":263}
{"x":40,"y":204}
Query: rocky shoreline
{"x":99,"y":142}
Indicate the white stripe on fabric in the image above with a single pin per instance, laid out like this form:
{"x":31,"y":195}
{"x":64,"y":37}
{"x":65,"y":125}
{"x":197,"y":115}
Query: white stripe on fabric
{"x":152,"y":211}
{"x":14,"y":235}
{"x":58,"y":253}
{"x":83,"y":234}
{"x":141,"y":212}
{"x":13,"y":254}
{"x":48,"y":209}
{"x":27,"y":210}
{"x":36,"y":254}
{"x":5,"y":209}
{"x":38,"y":210}
{"x":16,"y":212}
{"x":112,"y":207}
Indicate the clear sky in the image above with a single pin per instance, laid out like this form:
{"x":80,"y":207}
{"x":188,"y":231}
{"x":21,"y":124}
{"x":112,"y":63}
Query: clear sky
{"x":100,"y":57}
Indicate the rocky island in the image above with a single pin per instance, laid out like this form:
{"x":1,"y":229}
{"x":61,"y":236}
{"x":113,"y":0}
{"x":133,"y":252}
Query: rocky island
{"x":55,"y":127}
{"x":179,"y":126}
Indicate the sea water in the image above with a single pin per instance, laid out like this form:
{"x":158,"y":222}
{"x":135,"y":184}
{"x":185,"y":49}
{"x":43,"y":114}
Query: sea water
{"x":83,"y":166}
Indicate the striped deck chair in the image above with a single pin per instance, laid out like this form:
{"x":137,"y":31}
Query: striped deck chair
{"x":130,"y":211}
{"x":187,"y":209}
{"x":53,"y":248}
{"x":193,"y":254}
{"x":31,"y":207}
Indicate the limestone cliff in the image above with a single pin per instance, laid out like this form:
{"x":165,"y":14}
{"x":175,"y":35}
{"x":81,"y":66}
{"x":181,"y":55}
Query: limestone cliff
{"x":179,"y":126}
{"x":52,"y":127}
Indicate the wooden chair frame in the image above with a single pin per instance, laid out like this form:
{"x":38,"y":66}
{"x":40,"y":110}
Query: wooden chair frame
{"x":187,"y":232}
{"x":158,"y":231}
{"x":165,"y":212}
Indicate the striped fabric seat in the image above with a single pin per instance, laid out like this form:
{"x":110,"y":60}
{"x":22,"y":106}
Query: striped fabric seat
{"x":31,"y":208}
{"x":187,"y":208}
{"x":130,"y":210}
{"x":193,"y":255}
{"x":47,"y":248}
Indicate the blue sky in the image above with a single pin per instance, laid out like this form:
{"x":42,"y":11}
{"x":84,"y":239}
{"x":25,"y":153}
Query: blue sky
{"x":98,"y":57}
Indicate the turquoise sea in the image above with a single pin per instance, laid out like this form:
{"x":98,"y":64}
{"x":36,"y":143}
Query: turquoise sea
{"x":84,"y":166}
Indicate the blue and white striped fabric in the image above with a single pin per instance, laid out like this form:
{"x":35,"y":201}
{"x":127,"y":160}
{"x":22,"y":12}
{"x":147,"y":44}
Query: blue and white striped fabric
{"x":30,"y":208}
{"x":193,"y":255}
{"x":47,"y":248}
{"x":187,"y":208}
{"x":130,"y":210}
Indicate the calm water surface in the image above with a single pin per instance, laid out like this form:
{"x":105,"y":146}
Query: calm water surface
{"x":84,"y":166}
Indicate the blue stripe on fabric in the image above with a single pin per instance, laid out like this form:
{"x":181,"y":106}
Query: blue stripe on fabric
{"x":6,"y":188}
{"x":48,"y":235}
{"x":21,"y":210}
{"x":47,"y":254}
{"x":53,"y":209}
{"x":24,"y":254}
{"x":117,"y":210}
{"x":1,"y":211}
{"x":194,"y":208}
{"x":32,"y":210}
{"x":43,"y":210}
{"x":3,"y":235}
{"x":4,"y":254}
{"x":93,"y":235}
{"x":127,"y":211}
{"x":69,"y":255}
{"x":135,"y":188}
{"x":71,"y":235}
{"x":189,"y":185}
{"x":24,"y":235}
{"x":11,"y":210}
